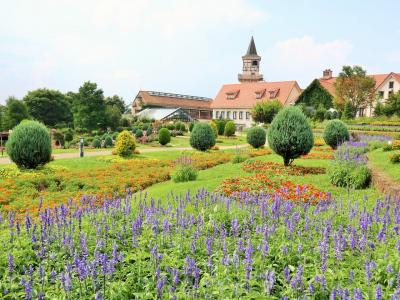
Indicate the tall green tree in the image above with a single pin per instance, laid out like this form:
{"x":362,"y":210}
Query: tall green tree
{"x":265,"y":111}
{"x":392,"y":105}
{"x":355,"y":87}
{"x":118,"y":102}
{"x":2,"y":117}
{"x":89,"y":108}
{"x":48,"y":106}
{"x":113,"y":116}
{"x":16,"y":111}
{"x":316,"y":95}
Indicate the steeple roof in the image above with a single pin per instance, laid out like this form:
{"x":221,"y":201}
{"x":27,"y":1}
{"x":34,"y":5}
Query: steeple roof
{"x":252,"y":48}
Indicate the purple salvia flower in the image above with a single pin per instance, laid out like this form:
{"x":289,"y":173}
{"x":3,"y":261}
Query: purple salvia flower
{"x":11,"y":264}
{"x":357,"y":295}
{"x":378,"y":292}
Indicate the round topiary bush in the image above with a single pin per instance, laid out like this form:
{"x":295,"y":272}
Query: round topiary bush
{"x":171,"y":126}
{"x":290,"y":135}
{"x":149,"y":131}
{"x":125,"y":144}
{"x":139,"y":133}
{"x":96,"y":143}
{"x":230,"y":129}
{"x":164,"y":137}
{"x":202,"y":137}
{"x":256,"y":137}
{"x":108,"y":142}
{"x":214,"y":128}
{"x":29,"y":145}
{"x":335,"y":133}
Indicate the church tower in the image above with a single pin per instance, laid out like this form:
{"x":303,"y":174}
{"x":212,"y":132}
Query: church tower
{"x":251,"y":65}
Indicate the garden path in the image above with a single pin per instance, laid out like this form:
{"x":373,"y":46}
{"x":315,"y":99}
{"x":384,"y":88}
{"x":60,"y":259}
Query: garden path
{"x":384,"y":182}
{"x":6,"y":160}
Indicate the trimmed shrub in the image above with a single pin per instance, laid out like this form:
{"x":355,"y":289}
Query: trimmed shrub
{"x":125,"y":144}
{"x":220,"y":125}
{"x":214,"y":128}
{"x":202,"y":137}
{"x":96,"y":143}
{"x":230,"y":128}
{"x":68,"y":136}
{"x":149,"y":131}
{"x":29,"y":145}
{"x":164,"y":137}
{"x":395,"y":158}
{"x":335,"y":133}
{"x":191,"y":126}
{"x":108,"y":142}
{"x":290,"y":135}
{"x":256,"y":137}
{"x":171,"y":126}
{"x":180,"y":127}
{"x":139,"y":133}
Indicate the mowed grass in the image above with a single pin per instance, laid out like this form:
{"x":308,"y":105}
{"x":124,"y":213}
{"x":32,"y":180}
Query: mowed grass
{"x":380,"y":160}
{"x":210,"y":179}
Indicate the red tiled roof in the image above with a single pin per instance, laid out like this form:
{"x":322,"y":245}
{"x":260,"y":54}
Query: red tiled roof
{"x":329,"y":84}
{"x":160,"y":99}
{"x":246,"y":98}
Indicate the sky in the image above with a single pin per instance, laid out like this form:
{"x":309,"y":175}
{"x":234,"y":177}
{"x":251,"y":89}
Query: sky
{"x":185,"y":46}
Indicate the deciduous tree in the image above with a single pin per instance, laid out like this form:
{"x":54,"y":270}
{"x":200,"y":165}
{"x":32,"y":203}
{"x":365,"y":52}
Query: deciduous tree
{"x":118,"y":102}
{"x":355,"y":87}
{"x":48,"y":106}
{"x":89,"y":108}
{"x":265,"y":111}
{"x":16,"y":111}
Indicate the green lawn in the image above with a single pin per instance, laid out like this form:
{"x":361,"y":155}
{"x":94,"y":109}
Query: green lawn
{"x":380,"y":160}
{"x":211,"y":178}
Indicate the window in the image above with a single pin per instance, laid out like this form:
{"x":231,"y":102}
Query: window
{"x":222,"y":114}
{"x":380,"y":94}
{"x":234,"y":115}
{"x":254,"y":63}
{"x":247,"y":115}
{"x":240,"y":115}
{"x":391,"y":84}
{"x":228,"y":114}
{"x":260,"y":94}
{"x":217,"y":114}
{"x":232,"y":94}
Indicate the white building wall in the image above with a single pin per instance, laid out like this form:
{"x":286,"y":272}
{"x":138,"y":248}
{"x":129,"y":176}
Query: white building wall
{"x":233,"y":114}
{"x":382,"y":93}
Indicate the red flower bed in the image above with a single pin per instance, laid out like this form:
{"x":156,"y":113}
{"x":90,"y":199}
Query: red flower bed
{"x":272,"y":168}
{"x":261,"y":183}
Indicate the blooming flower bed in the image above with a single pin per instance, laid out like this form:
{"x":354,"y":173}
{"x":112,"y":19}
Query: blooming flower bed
{"x":204,"y":246}
{"x":272,"y":168}
{"x":264,"y":184}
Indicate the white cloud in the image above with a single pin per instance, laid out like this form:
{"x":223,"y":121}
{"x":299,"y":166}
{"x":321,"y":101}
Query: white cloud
{"x":123,"y":45}
{"x":305,"y":58}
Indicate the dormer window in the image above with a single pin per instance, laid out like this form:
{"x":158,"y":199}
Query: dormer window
{"x":232,"y":94}
{"x":260,"y":94}
{"x":273,"y":93}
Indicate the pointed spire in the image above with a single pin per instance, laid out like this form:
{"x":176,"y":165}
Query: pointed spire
{"x":252,"y":48}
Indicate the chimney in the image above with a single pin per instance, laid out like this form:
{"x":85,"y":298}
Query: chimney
{"x":327,"y":74}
